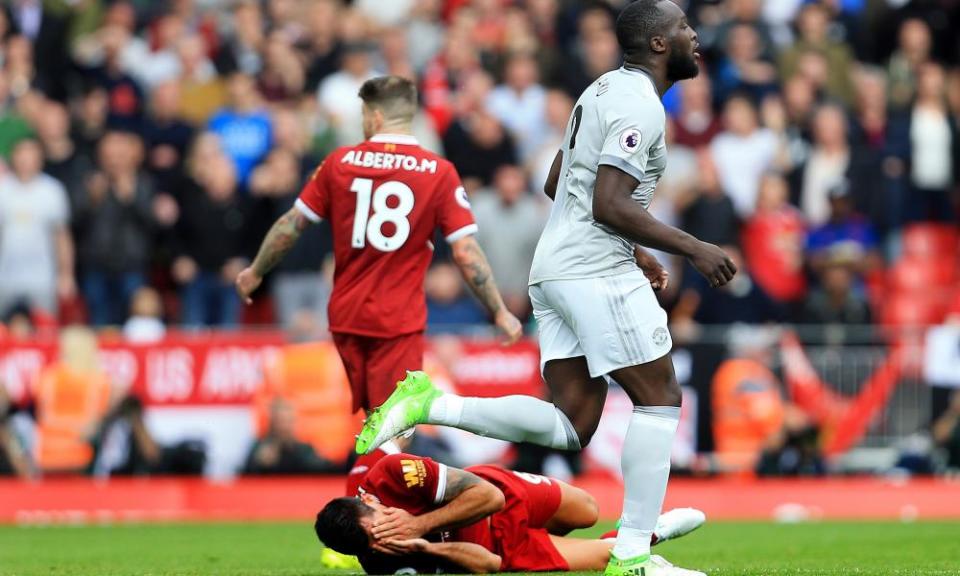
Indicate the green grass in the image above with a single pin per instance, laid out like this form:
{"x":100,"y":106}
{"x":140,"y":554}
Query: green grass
{"x":719,"y":548}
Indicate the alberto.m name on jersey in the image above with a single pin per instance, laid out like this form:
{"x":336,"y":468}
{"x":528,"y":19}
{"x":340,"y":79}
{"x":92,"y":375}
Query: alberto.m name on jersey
{"x":389,"y":161}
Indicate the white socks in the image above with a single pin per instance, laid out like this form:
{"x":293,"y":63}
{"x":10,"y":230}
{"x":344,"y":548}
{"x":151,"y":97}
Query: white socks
{"x":646,"y":466}
{"x":511,"y":418}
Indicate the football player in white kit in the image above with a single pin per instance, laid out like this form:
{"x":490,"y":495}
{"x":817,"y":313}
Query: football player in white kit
{"x":597,"y":313}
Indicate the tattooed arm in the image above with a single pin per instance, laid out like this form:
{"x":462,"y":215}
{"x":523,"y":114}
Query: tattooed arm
{"x":279,"y":240}
{"x":466,"y":498}
{"x":476,"y":271}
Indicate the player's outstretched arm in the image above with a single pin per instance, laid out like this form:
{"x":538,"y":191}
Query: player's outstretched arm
{"x":470,"y":557}
{"x":476,"y":271}
{"x":614,"y":206}
{"x":279,"y":240}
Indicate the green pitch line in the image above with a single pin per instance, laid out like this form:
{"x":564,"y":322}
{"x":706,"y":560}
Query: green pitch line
{"x":719,"y":548}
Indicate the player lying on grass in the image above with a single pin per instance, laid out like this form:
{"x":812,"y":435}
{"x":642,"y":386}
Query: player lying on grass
{"x":411,"y":512}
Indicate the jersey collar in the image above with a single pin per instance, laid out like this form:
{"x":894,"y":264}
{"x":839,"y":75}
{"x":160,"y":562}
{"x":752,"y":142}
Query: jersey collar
{"x":394,"y":139}
{"x":643,"y":73}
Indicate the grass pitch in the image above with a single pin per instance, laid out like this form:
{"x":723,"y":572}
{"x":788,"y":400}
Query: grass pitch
{"x":719,"y":548}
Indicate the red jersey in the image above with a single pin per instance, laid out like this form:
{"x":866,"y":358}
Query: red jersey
{"x":416,"y":484}
{"x":384,"y":198}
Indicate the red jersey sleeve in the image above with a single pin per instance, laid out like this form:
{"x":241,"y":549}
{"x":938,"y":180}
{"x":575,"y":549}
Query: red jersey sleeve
{"x":314,"y":200}
{"x":407,"y":481}
{"x":454,"y":216}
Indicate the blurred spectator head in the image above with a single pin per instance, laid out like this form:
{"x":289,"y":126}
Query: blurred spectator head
{"x":814,"y":66}
{"x":206,"y":147}
{"x":121,"y":14}
{"x":830,"y":126}
{"x":79,"y":349}
{"x":696,"y":96}
{"x":19,"y":322}
{"x":192,"y":52}
{"x":837,"y":276}
{"x":120,"y":152}
{"x":146,"y":303}
{"x":871,"y":86}
{"x":165,"y":100}
{"x":485,"y":130}
{"x":601,"y":53}
{"x":54,"y":123}
{"x":558,"y":108}
{"x":740,"y":115}
{"x":915,"y":41}
{"x":356,"y":58}
{"x":443,"y":283}
{"x":388,"y":101}
{"x":744,"y":10}
{"x":708,"y":179}
{"x":596,"y":19}
{"x":518,"y":31}
{"x":289,"y":131}
{"x":242,"y":92}
{"x":94,"y":107}
{"x":813,"y":22}
{"x":248,"y":22}
{"x":220,"y":182}
{"x":841,"y":202}
{"x":473,"y":93}
{"x":773,"y":194}
{"x":510,"y":183}
{"x":396,"y":52}
{"x":521,"y":71}
{"x":931,"y":82}
{"x":283,"y":420}
{"x":799,"y":96}
{"x":26,"y":160}
{"x":743,"y":43}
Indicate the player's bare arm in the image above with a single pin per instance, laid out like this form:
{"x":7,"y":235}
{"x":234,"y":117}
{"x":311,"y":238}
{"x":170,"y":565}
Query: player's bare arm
{"x":279,"y":240}
{"x":614,"y":206}
{"x":472,"y":558}
{"x":467,"y":498}
{"x":553,"y":177}
{"x":476,"y":271}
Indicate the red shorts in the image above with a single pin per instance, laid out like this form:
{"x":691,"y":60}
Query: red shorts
{"x":519,"y":532}
{"x":375,"y":365}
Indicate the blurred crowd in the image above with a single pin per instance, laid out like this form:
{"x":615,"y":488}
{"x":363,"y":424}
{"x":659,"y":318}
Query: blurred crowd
{"x":145,"y":147}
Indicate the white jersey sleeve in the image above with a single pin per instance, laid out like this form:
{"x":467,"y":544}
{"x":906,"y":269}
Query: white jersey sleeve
{"x":631,"y":129}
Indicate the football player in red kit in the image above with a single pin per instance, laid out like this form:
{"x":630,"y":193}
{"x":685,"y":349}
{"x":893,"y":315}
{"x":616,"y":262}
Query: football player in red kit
{"x":384,"y":199}
{"x":411,"y":512}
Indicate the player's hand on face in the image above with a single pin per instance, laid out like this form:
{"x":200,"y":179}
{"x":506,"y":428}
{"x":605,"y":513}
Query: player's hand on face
{"x":247,"y":281}
{"x":510,"y":326}
{"x":410,"y":546}
{"x":397,"y":524}
{"x":714,"y":264}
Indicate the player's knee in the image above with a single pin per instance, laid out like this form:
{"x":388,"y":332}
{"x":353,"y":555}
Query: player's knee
{"x":590,"y":510}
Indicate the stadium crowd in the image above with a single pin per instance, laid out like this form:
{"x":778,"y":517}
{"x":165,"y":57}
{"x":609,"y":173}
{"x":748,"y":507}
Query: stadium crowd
{"x":145,"y":147}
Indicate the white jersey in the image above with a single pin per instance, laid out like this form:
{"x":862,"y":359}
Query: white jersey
{"x":618,"y":121}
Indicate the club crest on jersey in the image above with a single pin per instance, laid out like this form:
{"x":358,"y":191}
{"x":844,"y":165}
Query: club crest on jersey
{"x":630,"y":140}
{"x":460,"y":194}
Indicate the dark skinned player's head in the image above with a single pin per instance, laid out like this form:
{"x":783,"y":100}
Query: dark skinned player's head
{"x":655,"y":33}
{"x":341,"y":525}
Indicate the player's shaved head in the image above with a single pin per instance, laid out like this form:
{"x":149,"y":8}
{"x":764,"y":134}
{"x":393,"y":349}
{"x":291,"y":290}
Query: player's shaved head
{"x":394,"y":96}
{"x":638,"y":23}
{"x":338,"y":526}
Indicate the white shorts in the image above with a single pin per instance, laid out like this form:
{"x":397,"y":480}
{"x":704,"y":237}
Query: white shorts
{"x":614,"y":321}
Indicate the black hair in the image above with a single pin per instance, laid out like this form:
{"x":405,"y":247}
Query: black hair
{"x":338,"y":526}
{"x":637,"y":24}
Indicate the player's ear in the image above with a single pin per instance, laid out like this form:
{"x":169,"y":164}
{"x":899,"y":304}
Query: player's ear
{"x":658,"y":44}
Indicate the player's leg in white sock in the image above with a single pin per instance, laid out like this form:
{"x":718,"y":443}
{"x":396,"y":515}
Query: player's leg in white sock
{"x":645,"y":460}
{"x":646,"y":466}
{"x":512,"y":418}
{"x":528,"y":419}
